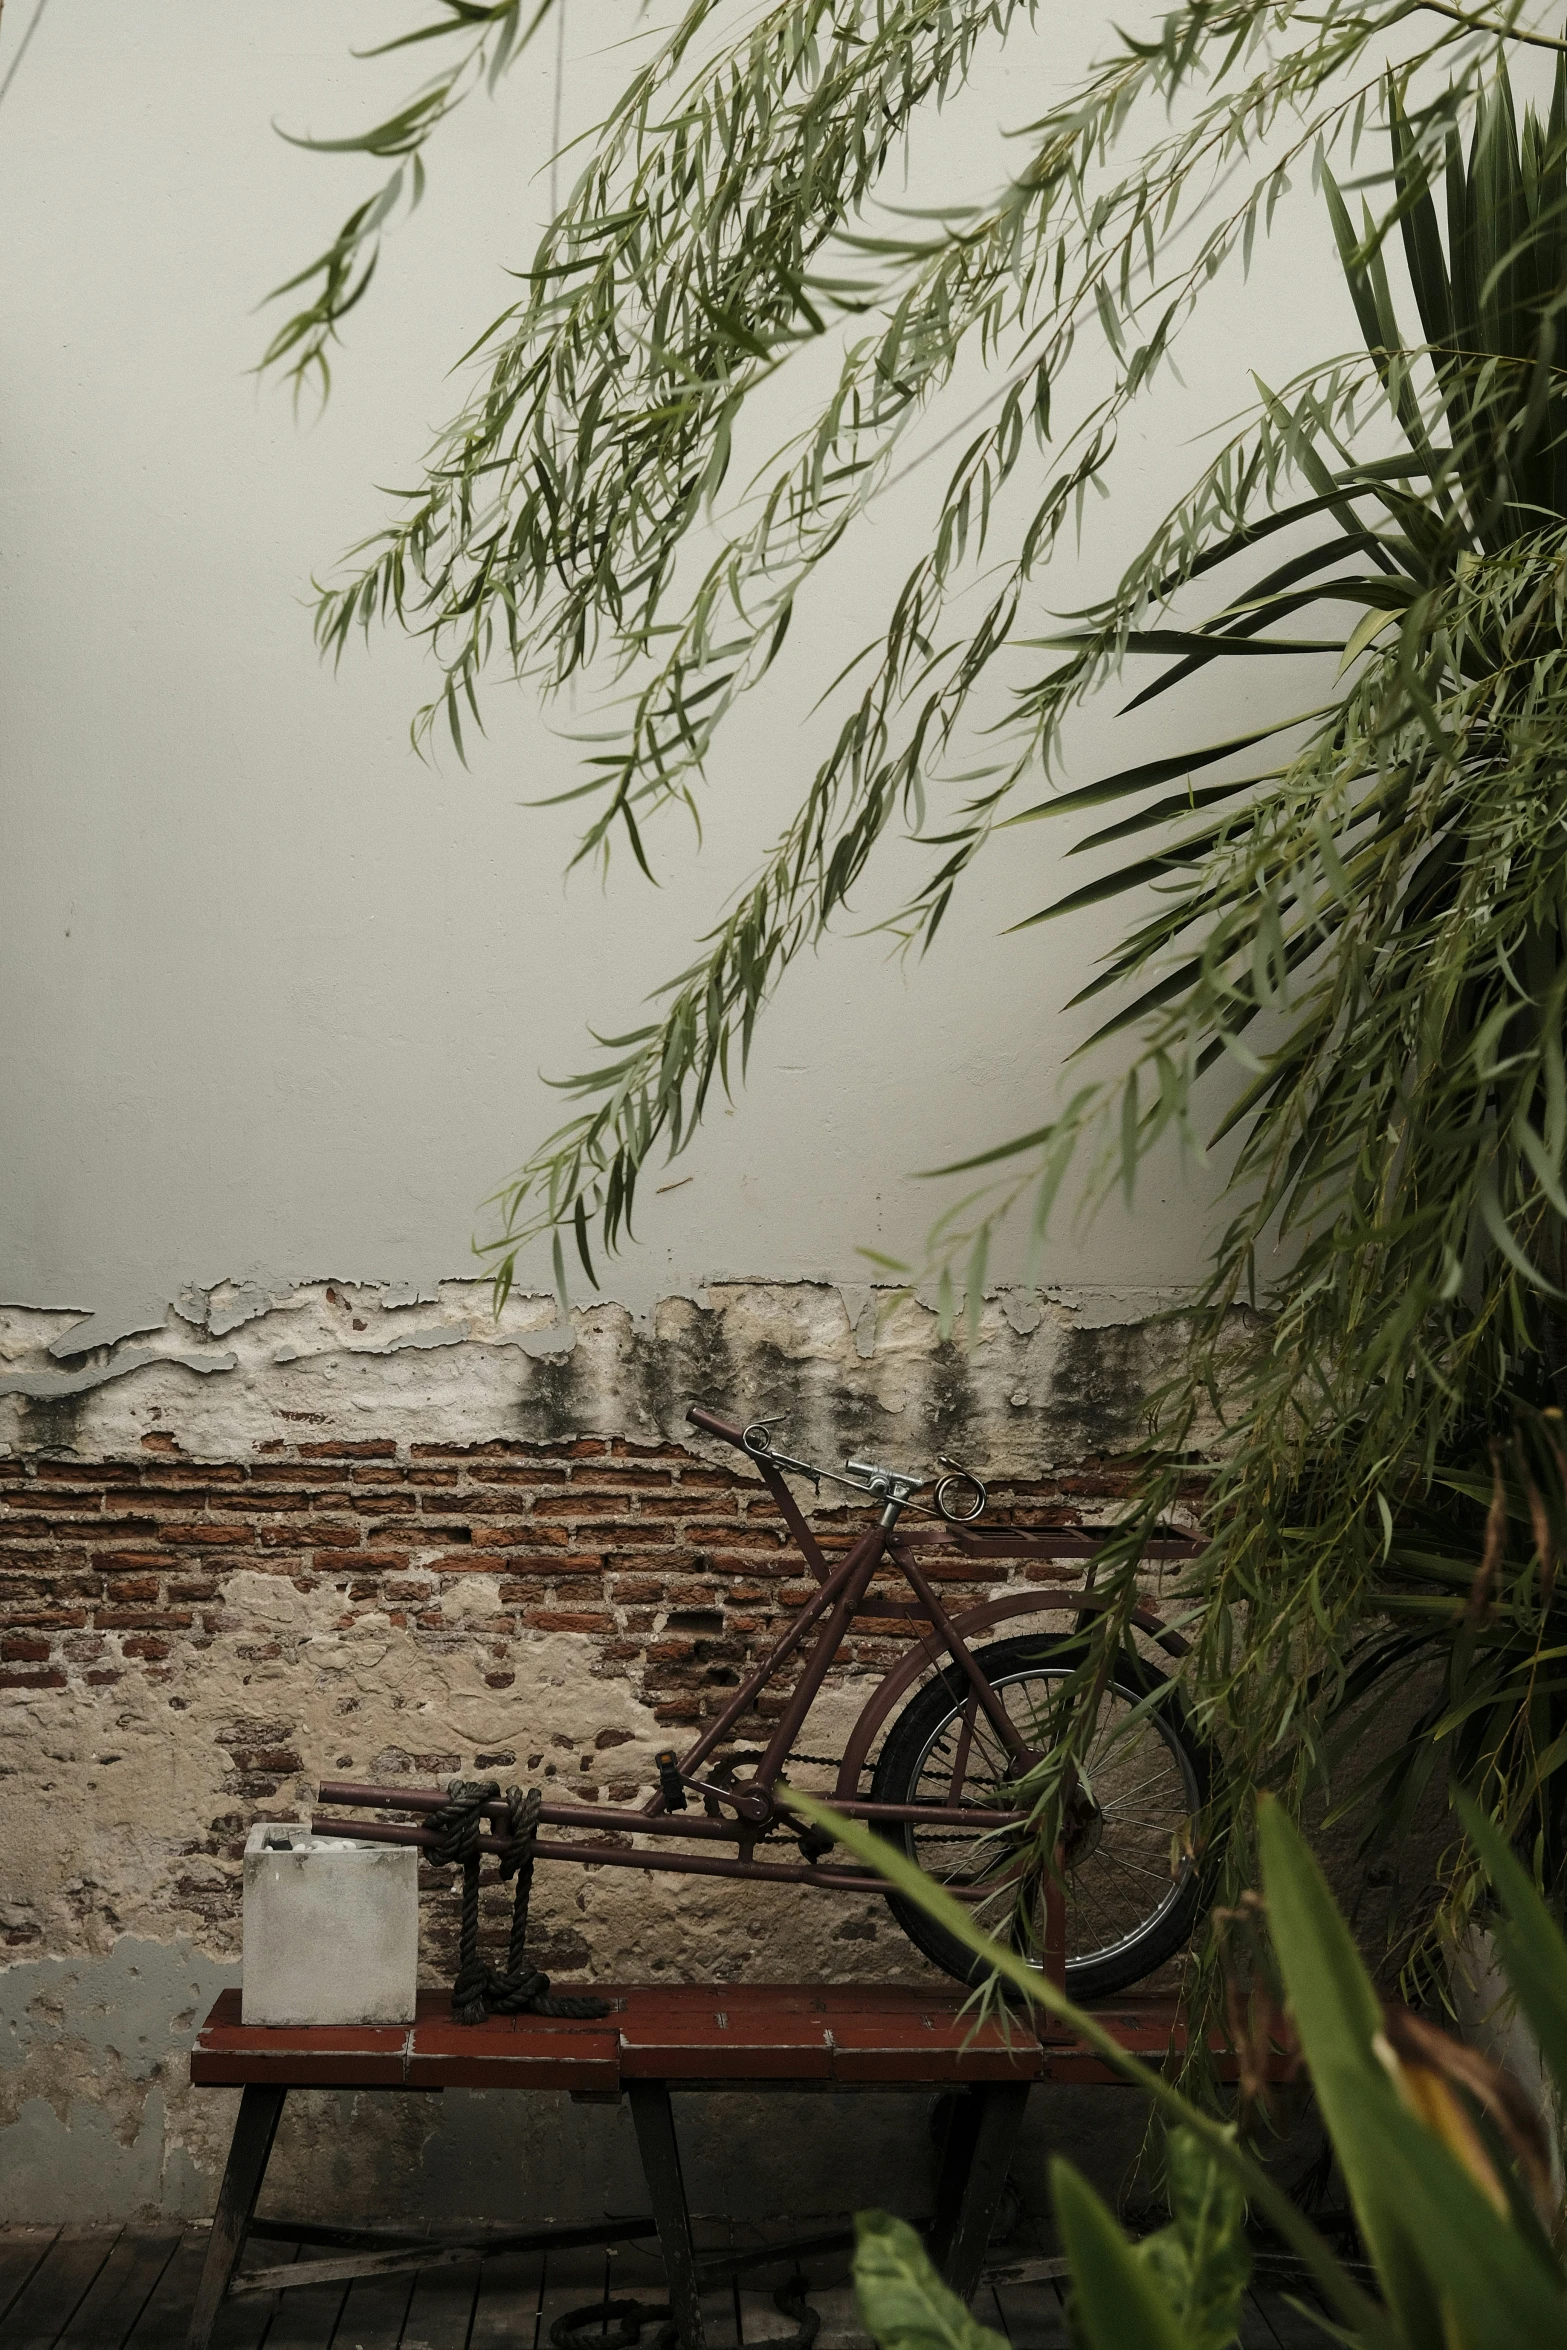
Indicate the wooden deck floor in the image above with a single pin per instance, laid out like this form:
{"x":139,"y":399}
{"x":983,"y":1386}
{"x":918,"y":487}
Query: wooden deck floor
{"x":132,"y":2288}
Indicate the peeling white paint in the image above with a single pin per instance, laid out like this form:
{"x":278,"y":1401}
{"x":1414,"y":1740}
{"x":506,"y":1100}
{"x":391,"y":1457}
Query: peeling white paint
{"x":1048,"y":1379}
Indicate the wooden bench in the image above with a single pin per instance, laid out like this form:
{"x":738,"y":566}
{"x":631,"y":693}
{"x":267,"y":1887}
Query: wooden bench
{"x":658,"y":2038}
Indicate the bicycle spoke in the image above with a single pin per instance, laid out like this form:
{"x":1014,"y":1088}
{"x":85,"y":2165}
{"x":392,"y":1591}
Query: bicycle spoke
{"x":1125,"y":1794}
{"x":1142,"y":1787}
{"x":1133,"y":1868}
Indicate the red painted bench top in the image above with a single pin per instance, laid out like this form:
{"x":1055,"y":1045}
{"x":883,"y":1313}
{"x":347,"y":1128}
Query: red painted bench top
{"x":700,"y":2035}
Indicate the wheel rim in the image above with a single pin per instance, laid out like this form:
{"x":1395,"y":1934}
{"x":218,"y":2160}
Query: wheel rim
{"x":1122,"y":1888}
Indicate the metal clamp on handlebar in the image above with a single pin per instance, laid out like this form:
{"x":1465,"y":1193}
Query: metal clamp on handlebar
{"x":884,"y":1484}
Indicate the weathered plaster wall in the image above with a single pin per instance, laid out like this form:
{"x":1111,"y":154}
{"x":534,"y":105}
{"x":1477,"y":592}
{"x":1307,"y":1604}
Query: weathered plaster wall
{"x":280,"y":999}
{"x":344,"y":1530}
{"x":277,"y":1003}
{"x":1052,"y":1378}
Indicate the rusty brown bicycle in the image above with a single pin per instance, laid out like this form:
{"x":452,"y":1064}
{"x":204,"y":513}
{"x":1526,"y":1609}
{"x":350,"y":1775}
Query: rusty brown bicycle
{"x":944,"y":1740}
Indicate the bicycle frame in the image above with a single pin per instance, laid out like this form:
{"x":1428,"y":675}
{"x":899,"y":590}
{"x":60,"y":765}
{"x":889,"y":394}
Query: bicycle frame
{"x":761,"y":1804}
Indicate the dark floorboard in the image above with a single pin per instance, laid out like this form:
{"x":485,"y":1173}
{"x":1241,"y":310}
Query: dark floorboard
{"x":441,"y":2310}
{"x":111,"y":2308}
{"x":132,"y":2289}
{"x":510,"y":2292}
{"x":57,"y":2288}
{"x":22,"y":2251}
{"x":163,"y":2322}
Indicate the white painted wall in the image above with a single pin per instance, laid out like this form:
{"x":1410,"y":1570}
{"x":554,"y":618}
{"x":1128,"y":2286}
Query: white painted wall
{"x":277,"y":996}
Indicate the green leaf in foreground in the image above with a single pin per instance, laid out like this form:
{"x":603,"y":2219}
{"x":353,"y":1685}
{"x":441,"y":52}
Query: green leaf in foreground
{"x":1342,"y":2294}
{"x":1117,"y":2299}
{"x":1200,"y":2263}
{"x":902,"y":2300}
{"x":1453,"y":2268}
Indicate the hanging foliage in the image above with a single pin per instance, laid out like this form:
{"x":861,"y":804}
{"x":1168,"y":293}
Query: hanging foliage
{"x":1353,"y":960}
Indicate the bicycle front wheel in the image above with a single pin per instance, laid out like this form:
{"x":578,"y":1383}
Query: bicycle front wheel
{"x":1132,"y":1888}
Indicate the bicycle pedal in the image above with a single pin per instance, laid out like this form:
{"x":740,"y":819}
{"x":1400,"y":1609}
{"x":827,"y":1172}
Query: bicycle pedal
{"x":670,"y":1784}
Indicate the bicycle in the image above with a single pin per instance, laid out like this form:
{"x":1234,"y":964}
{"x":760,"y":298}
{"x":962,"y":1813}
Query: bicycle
{"x":959,"y":1725}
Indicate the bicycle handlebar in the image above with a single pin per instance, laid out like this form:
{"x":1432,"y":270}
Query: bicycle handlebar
{"x":714,"y":1426}
{"x":888,"y":1486}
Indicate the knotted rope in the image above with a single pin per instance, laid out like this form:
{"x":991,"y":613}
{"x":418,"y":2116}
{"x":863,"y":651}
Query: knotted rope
{"x":480,"y":1989}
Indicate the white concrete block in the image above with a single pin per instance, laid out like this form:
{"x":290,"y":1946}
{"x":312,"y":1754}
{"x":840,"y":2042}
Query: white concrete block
{"x":331,"y":1929}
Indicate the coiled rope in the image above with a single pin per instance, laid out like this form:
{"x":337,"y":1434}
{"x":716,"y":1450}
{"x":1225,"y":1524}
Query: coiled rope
{"x":480,"y":1989}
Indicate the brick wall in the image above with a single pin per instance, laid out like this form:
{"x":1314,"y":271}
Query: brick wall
{"x":670,"y":1574}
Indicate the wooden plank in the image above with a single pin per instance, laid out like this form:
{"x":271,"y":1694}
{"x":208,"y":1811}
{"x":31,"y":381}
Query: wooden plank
{"x":108,"y":2313}
{"x":58,"y":2286}
{"x":506,"y":2314}
{"x":260,"y":2110}
{"x":577,"y":2280}
{"x":21,"y":2250}
{"x":331,"y":2268}
{"x":163,"y":2321}
{"x":514,"y":2052}
{"x":755,"y":2031}
{"x":987,"y":2309}
{"x":441,"y":2309}
{"x":373,"y":2314}
{"x":718,"y":2038}
{"x":306,"y":2320}
{"x":245,"y":2325}
{"x":335,"y":2056}
{"x":930,"y":2049}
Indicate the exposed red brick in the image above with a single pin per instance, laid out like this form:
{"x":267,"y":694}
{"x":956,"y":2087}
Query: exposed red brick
{"x":126,"y":1619}
{"x":521,"y":1535}
{"x":606,"y":1541}
{"x":211,"y":1537}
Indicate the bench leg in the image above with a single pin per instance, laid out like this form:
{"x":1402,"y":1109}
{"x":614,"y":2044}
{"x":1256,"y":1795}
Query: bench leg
{"x":259,"y":2111}
{"x":654,"y":2119}
{"x":974,"y":2164}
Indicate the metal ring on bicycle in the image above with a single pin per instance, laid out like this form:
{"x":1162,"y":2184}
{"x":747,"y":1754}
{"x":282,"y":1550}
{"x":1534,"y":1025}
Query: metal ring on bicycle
{"x":948,"y":1495}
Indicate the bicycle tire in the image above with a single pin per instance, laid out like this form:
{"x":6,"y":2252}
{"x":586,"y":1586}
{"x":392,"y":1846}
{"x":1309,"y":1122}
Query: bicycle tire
{"x":1099,"y":1962}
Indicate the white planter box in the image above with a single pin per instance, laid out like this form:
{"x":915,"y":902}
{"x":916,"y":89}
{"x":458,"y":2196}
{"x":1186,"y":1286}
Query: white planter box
{"x":331,"y":1929}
